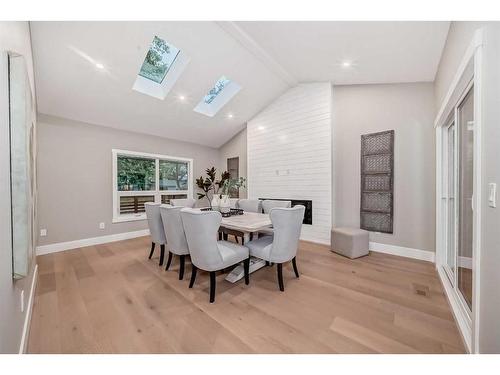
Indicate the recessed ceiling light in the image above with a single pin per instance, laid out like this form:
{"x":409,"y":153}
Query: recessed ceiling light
{"x":230,"y":115}
{"x":346,"y":64}
{"x":182,"y":97}
{"x":99,"y":66}
{"x":261,"y":127}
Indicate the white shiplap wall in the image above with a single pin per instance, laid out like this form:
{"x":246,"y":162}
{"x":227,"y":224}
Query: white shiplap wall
{"x":289,"y":147}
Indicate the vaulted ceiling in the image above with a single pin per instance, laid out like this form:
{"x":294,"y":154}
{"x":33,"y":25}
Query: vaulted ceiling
{"x":264,"y":58}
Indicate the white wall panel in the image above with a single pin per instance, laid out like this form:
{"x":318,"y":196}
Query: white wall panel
{"x":289,"y":146}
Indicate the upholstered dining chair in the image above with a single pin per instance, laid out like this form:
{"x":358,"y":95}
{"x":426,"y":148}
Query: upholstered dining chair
{"x":174,"y":230}
{"x":283,"y":246}
{"x":155,"y":229}
{"x":267,"y":205}
{"x":187,"y":202}
{"x":270,"y":203}
{"x":250,"y":205}
{"x":206,"y":252}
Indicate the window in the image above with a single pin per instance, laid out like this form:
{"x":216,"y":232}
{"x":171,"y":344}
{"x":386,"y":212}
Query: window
{"x":158,"y":60}
{"x":139,"y":178}
{"x":233,"y":167}
{"x":162,"y":66}
{"x":217,"y":97}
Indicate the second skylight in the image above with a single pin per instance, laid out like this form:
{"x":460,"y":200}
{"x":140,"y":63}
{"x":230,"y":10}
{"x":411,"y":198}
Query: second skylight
{"x":217,"y":97}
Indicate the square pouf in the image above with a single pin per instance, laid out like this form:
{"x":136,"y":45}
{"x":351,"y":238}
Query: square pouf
{"x":350,"y":242}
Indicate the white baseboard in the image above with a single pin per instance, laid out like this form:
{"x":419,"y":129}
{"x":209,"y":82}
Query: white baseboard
{"x":402,"y":251}
{"x":62,"y":246}
{"x":463,"y":321}
{"x":27,"y":320}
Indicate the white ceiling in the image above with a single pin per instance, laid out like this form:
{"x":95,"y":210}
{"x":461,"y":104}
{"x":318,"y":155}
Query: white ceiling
{"x":381,"y":52}
{"x":265,"y":58}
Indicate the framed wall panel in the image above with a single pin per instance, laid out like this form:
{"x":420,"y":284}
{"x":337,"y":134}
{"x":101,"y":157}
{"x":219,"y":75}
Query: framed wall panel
{"x":377,"y":176}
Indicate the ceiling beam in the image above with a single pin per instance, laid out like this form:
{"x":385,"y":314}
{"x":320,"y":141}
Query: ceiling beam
{"x":255,"y":49}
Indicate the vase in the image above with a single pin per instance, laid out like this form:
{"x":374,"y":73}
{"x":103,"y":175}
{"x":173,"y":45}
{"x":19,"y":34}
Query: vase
{"x":215,"y":202}
{"x":225,"y":204}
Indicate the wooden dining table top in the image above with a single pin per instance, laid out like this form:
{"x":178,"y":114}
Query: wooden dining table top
{"x":248,"y":222}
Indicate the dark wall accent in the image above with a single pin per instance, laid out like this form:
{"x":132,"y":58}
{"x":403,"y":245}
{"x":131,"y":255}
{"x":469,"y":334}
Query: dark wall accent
{"x":308,"y":219}
{"x":377,"y":181}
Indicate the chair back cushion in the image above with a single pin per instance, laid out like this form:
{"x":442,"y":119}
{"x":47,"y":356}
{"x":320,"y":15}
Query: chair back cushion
{"x":269,"y":203}
{"x":249,"y":205}
{"x":201,"y":228}
{"x":154,"y":222}
{"x":188,"y":202}
{"x":287,"y":223}
{"x":174,"y":230}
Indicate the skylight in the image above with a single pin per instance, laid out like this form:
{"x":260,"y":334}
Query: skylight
{"x":161,"y":68}
{"x":217,"y":97}
{"x":216,"y":90}
{"x":160,"y":57}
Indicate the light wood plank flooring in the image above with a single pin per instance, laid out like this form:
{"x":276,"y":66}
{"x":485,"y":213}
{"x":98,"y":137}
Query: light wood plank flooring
{"x":111,"y":299}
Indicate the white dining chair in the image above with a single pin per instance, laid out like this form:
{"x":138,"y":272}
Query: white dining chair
{"x":283,"y":246}
{"x":186,"y":202}
{"x":206,"y":252}
{"x":267,"y":205}
{"x":155,"y":229}
{"x":271,"y":203}
{"x":174,"y":231}
{"x":250,"y":205}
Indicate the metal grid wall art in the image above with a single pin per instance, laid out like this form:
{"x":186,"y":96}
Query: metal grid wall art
{"x":377,"y":175}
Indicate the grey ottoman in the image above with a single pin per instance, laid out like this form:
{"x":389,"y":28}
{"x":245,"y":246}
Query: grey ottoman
{"x":350,"y":242}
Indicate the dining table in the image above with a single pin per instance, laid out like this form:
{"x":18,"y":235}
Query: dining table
{"x":246,"y":223}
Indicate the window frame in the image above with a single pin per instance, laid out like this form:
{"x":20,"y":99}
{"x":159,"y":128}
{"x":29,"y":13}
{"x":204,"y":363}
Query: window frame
{"x":157,"y":193}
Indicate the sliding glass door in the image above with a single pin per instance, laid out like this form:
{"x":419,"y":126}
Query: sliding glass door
{"x":449,"y":199}
{"x":458,"y":190}
{"x":465,"y":114}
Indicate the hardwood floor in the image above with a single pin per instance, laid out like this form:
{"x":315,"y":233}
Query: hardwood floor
{"x":111,"y":299}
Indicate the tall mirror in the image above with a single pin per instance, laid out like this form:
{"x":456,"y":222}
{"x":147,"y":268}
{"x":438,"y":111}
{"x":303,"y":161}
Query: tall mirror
{"x":22,"y":165}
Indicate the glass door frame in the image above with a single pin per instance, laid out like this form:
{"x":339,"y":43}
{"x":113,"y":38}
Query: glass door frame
{"x":452,"y":274}
{"x":458,"y":126}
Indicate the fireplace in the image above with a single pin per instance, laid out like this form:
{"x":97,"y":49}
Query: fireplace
{"x":306,"y":203}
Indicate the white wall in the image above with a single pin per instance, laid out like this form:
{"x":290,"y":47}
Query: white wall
{"x":408,"y":109}
{"x":489,"y":306}
{"x":290,"y":153}
{"x":15,"y":37}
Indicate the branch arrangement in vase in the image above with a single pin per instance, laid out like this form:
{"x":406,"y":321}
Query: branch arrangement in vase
{"x":210,"y":185}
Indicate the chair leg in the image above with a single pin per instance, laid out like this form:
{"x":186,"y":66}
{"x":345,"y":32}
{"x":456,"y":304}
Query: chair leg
{"x":193,"y":275}
{"x":181,"y":268}
{"x":162,"y":254}
{"x":169,"y":261}
{"x":280,"y":276}
{"x":152,"y":250}
{"x":294,"y":263}
{"x":220,"y":236}
{"x":246,"y":267}
{"x":224,"y":236}
{"x":212,"y":287}
{"x":267,"y":263}
{"x":236,"y":238}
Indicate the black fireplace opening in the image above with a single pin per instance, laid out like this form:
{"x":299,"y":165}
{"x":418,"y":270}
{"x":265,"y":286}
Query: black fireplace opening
{"x":308,"y":218}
